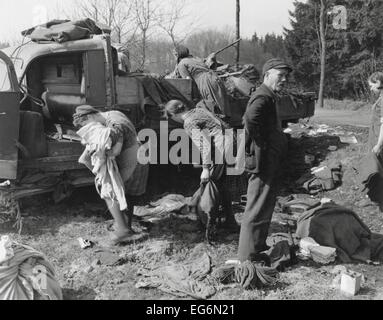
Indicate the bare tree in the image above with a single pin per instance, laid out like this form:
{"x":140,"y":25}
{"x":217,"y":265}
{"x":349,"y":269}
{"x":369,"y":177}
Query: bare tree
{"x":145,"y":18}
{"x":117,"y":14}
{"x":172,"y":20}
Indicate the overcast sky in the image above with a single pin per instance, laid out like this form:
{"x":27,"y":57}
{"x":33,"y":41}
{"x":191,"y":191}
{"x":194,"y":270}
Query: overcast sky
{"x":261,"y":16}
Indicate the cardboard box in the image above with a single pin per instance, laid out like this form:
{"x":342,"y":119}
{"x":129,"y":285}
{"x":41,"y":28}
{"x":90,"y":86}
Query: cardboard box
{"x":351,"y":282}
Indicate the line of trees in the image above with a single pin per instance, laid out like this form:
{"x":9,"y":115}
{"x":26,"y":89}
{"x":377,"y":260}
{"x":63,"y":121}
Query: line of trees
{"x":351,"y":53}
{"x":313,"y":44}
{"x":150,"y":29}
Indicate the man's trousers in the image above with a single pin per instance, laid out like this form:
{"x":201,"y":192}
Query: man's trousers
{"x":261,"y":199}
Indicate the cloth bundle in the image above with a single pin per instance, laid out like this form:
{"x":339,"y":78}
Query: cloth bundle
{"x":25,"y":274}
{"x":248,"y":274}
{"x":323,"y":255}
{"x":189,"y":279}
{"x":65,"y":30}
{"x":325,"y":179}
{"x":108,"y":180}
{"x":337,"y":227}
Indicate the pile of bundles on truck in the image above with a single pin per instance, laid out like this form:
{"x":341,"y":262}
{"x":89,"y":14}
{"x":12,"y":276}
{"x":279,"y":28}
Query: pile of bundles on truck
{"x":241,"y":82}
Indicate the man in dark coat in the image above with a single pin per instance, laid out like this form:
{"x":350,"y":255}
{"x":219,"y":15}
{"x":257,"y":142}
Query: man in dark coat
{"x":266,"y":145}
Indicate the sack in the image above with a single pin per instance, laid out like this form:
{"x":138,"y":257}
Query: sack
{"x":25,"y":274}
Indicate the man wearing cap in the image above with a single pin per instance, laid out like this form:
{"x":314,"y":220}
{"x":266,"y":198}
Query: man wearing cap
{"x":265,"y":146}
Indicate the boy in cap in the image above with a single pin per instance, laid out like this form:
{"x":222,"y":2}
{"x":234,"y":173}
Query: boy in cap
{"x":265,"y":146}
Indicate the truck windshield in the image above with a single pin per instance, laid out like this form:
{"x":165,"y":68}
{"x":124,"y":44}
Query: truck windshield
{"x":5,"y":83}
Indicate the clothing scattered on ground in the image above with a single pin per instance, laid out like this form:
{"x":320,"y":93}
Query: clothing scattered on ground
{"x":168,"y":204}
{"x":323,"y":255}
{"x":249,"y":275}
{"x":337,"y":227}
{"x":108,"y":181}
{"x":263,"y":271}
{"x":282,"y":251}
{"x":309,"y":248}
{"x":189,"y":279}
{"x":326,"y":178}
{"x":25,"y":274}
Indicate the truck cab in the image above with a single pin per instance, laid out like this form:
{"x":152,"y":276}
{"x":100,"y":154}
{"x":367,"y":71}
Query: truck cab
{"x":41,"y":86}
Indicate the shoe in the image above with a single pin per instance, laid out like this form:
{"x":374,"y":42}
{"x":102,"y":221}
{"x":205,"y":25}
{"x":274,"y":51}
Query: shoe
{"x":128,"y":238}
{"x":261,"y":258}
{"x":120,"y":238}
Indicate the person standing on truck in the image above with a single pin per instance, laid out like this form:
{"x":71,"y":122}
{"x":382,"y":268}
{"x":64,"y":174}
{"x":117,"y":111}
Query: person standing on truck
{"x":209,"y":84}
{"x":200,"y":120}
{"x":125,"y":145}
{"x":265,"y":147}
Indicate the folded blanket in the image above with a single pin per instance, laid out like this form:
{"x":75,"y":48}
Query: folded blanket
{"x":337,"y":227}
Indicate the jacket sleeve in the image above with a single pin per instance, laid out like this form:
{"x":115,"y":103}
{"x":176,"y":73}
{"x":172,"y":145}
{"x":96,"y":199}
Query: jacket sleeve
{"x":195,"y":131}
{"x":254,"y":119}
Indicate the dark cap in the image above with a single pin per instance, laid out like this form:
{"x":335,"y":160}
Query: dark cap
{"x":84,"y":110}
{"x":276,"y":64}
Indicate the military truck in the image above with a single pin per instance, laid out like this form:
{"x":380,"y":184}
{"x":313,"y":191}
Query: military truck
{"x":41,"y":84}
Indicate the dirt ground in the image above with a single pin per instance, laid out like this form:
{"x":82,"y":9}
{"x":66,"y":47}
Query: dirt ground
{"x":54,"y":229}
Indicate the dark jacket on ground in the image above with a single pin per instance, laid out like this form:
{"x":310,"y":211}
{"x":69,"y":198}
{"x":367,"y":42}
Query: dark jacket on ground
{"x":264,"y":139}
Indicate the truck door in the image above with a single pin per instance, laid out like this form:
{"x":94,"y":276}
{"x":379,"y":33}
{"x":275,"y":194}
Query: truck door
{"x":9,"y":118}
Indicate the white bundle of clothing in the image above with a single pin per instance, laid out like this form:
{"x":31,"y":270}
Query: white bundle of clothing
{"x":25,"y":274}
{"x":96,"y":137}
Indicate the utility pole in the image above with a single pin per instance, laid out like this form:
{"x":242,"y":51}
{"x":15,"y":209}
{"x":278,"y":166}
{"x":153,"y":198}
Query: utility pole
{"x":238,"y":2}
{"x":323,"y":52}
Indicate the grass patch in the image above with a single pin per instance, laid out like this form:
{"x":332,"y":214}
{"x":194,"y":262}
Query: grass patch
{"x":351,"y":105}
